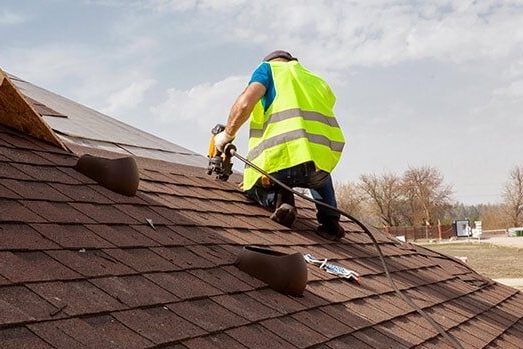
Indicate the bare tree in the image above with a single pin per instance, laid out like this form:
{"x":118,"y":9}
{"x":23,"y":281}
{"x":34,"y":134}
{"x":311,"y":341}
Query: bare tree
{"x":385,"y":196}
{"x":350,"y":198}
{"x":426,"y":193}
{"x":513,"y":196}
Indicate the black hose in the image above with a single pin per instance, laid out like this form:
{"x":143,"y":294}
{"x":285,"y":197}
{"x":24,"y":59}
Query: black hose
{"x":448,"y":336}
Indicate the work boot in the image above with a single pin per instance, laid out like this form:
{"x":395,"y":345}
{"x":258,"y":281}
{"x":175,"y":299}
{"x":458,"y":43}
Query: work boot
{"x":331,"y":230}
{"x":285,"y":214}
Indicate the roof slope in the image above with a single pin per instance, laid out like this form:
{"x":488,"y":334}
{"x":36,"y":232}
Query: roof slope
{"x":78,"y":124}
{"x":80,"y":267}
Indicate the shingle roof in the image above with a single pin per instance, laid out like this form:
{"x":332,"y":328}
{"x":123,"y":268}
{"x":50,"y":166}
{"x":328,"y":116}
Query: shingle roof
{"x":80,"y":266}
{"x":78,"y":124}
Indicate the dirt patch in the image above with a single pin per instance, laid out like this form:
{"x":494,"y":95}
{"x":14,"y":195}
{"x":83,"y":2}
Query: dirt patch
{"x":495,"y":262}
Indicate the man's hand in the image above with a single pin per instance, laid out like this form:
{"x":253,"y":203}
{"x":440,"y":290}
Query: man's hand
{"x":222,"y":139}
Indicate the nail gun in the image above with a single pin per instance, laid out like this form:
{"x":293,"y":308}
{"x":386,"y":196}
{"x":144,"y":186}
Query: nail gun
{"x":219,"y":162}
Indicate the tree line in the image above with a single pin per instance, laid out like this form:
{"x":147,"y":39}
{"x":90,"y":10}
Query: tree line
{"x":420,"y":196}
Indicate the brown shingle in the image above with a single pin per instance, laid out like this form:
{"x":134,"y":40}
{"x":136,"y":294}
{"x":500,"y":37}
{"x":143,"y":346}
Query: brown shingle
{"x":21,"y":337}
{"x":48,"y":174}
{"x":219,"y":341}
{"x":22,"y":237}
{"x":183,"y":284}
{"x":19,"y":304}
{"x":348,"y":341}
{"x":121,"y":235}
{"x":108,"y":327}
{"x":135,"y":291}
{"x":257,"y":337}
{"x":141,"y":259}
{"x":14,"y":211}
{"x":207,"y":314}
{"x":10,"y":171}
{"x":246,"y":306}
{"x":163,"y":235}
{"x":182,"y":257}
{"x":71,"y":236}
{"x":23,"y":156}
{"x":159,"y":324}
{"x":72,"y":333}
{"x":282,"y":303}
{"x":32,"y":266}
{"x":322,"y":323}
{"x":57,"y":212}
{"x":8,"y":194}
{"x":81,"y":193}
{"x":34,"y":190}
{"x":103,"y":214}
{"x":294,"y":331}
{"x":76,"y":297}
{"x":91,"y":262}
{"x":222,"y":280}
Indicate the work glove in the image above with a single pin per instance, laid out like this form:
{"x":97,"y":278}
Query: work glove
{"x":222,"y":139}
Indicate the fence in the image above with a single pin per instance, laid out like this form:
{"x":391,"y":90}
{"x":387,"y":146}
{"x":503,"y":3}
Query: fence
{"x":423,"y":232}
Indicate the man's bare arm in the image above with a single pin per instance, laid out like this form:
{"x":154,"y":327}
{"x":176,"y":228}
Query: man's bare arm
{"x":243,"y":107}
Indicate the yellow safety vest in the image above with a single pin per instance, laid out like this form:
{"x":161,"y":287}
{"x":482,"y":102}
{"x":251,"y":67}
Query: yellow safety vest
{"x":298,"y":127}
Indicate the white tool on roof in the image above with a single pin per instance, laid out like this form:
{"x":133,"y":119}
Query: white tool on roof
{"x":332,"y":268}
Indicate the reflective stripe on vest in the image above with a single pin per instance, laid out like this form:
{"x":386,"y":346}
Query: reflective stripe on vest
{"x":292,"y":113}
{"x":292,"y":135}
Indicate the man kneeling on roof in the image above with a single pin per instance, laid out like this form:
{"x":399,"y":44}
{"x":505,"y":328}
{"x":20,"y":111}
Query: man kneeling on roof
{"x":293,"y":135}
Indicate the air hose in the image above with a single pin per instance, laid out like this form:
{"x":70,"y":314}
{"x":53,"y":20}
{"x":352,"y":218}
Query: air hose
{"x":448,"y":336}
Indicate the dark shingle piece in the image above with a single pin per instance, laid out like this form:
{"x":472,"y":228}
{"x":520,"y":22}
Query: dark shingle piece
{"x":217,"y":341}
{"x":19,"y":304}
{"x":14,"y":211}
{"x":159,"y":325}
{"x":34,"y":190}
{"x":72,"y":333}
{"x":71,"y":236}
{"x":142,"y":259}
{"x":256,"y":336}
{"x":91,"y":262}
{"x":21,"y":337}
{"x":57,"y":212}
{"x":23,"y":237}
{"x":207,"y":314}
{"x":183,"y":284}
{"x":135,"y":291}
{"x":121,"y":235}
{"x":32,"y":266}
{"x":294,"y":331}
{"x":246,"y":306}
{"x":76,"y":297}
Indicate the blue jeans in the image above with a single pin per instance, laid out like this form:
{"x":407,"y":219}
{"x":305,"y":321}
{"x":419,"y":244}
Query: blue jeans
{"x":304,"y":176}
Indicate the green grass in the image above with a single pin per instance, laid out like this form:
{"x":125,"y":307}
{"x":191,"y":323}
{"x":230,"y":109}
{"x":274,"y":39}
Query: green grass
{"x":492,"y":261}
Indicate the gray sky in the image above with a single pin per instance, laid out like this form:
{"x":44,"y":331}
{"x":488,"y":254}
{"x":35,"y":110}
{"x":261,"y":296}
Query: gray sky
{"x":436,"y":83}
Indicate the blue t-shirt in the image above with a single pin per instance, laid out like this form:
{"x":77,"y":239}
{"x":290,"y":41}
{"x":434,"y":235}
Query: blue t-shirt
{"x":263,"y":75}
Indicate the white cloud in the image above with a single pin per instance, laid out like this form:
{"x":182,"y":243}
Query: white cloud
{"x":128,"y":98}
{"x":202,"y":104}
{"x":340,"y":34}
{"x":103,"y":79}
{"x":513,"y":91}
{"x":10,"y":18}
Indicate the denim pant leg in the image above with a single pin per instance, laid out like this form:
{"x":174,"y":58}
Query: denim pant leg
{"x":325,"y":193}
{"x":265,"y":197}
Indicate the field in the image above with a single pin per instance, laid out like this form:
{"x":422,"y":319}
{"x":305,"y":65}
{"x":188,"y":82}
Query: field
{"x":492,"y":261}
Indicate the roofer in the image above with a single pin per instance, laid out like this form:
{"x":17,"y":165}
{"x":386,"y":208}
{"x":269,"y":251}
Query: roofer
{"x":293,"y":135}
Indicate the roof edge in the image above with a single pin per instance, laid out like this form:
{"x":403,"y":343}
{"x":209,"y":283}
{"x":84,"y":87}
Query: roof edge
{"x":17,"y":113}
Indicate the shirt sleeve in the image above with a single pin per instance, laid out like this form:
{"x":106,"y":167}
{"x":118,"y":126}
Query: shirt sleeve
{"x":262,"y":75}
